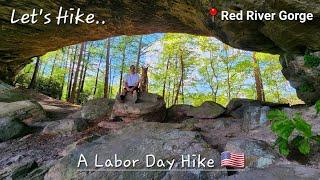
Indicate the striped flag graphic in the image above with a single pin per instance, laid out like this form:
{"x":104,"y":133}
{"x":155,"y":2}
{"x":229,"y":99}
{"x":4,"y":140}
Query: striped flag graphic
{"x":235,"y":160}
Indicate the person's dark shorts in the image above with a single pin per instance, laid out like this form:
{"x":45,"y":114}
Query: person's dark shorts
{"x":135,"y":89}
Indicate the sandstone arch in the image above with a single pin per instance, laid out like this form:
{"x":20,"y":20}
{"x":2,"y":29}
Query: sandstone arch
{"x":291,"y":39}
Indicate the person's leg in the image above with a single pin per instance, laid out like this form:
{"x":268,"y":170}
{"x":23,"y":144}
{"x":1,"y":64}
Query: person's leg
{"x":135,"y":95}
{"x":123,"y":94}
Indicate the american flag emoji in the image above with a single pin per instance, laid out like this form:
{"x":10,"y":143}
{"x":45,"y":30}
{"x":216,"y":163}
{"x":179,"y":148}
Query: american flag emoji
{"x":235,"y":160}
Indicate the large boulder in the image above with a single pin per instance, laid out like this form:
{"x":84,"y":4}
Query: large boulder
{"x":15,"y":116}
{"x":150,"y":107}
{"x":18,"y":168}
{"x":304,"y":78}
{"x":292,"y":172}
{"x":255,"y":117}
{"x":238,"y":106}
{"x":96,"y":108}
{"x":207,"y":110}
{"x":164,"y":141}
{"x":65,"y":126}
{"x":258,"y":154}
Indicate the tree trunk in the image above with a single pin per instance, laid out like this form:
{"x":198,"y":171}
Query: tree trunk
{"x":258,"y":79}
{"x":165,"y":78}
{"x":97,"y":77}
{"x":80,"y":81}
{"x":85,"y":73}
{"x":74,"y":87}
{"x":122,"y":67}
{"x":65,"y":72}
{"x":72,"y":73}
{"x":54,"y":65}
{"x":106,"y":78}
{"x":32,"y":84}
{"x":139,"y":53}
{"x":180,"y":81}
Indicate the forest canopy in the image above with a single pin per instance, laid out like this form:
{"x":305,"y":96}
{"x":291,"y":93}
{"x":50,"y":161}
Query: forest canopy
{"x":184,"y":69}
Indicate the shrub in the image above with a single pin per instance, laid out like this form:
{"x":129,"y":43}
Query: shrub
{"x":49,"y":87}
{"x":318,"y":107}
{"x":284,"y":127}
{"x":311,"y":61}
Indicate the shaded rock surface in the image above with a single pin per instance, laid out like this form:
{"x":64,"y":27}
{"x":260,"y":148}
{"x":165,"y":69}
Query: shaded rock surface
{"x":15,"y":116}
{"x":238,"y":106}
{"x":150,"y":107}
{"x":292,"y":172}
{"x":207,"y":110}
{"x":255,"y":117}
{"x":292,"y":37}
{"x":65,"y":126}
{"x":258,"y":154}
{"x":96,"y":108}
{"x":165,"y":141}
{"x":304,"y":79}
{"x":19,"y":168}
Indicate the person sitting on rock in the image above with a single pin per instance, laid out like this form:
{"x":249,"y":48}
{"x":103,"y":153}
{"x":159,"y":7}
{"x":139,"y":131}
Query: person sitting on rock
{"x":131,"y":84}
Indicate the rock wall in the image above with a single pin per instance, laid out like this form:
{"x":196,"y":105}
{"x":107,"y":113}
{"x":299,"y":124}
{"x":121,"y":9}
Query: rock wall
{"x":19,"y":42}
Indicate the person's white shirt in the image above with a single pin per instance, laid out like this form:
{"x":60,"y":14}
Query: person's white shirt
{"x":132,"y":79}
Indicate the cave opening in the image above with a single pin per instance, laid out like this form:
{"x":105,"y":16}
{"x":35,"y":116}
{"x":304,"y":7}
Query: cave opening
{"x":183,"y":68}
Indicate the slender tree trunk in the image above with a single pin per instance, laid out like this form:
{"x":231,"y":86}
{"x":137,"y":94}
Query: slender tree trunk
{"x":139,"y":53}
{"x":72,"y":73}
{"x":180,"y":81}
{"x":106,"y":78}
{"x":122,"y":67}
{"x":74,"y":87}
{"x":85,"y":73}
{"x":32,"y":84}
{"x":65,"y":72}
{"x":258,"y":79}
{"x":80,"y":81}
{"x":165,"y":79}
{"x":54,"y":65}
{"x":97,"y":77}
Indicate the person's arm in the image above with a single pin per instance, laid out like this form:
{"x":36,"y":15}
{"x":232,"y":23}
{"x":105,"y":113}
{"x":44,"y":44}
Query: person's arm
{"x":138,"y":82}
{"x":125,"y":82}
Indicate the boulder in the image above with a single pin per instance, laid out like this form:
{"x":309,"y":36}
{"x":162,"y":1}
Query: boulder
{"x":5,"y":87}
{"x":96,"y":108}
{"x":65,"y":126}
{"x":237,"y":106}
{"x":164,"y":141}
{"x":18,"y":168}
{"x":305,"y":79}
{"x":150,"y":107}
{"x":292,"y":172}
{"x":15,"y":116}
{"x":258,"y":154}
{"x":255,"y":117}
{"x":207,"y":110}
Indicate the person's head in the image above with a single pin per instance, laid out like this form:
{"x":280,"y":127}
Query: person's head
{"x":132,"y":69}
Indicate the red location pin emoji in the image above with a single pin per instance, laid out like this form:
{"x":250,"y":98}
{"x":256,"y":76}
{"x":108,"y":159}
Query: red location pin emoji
{"x":213,"y":12}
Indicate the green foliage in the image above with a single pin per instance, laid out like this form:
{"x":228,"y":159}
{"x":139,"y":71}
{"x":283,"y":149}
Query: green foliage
{"x":318,"y":107}
{"x":284,"y":126}
{"x":306,"y":87}
{"x":311,"y":61}
{"x":49,"y":87}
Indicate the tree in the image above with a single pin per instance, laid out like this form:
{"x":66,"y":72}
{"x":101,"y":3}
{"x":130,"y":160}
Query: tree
{"x":258,"y":79}
{"x":97,"y":76}
{"x":106,"y":78}
{"x":74,"y":86}
{"x":35,"y":74}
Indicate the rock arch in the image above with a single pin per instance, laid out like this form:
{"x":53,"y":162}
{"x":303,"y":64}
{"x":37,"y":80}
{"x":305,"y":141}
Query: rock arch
{"x":20,"y":42}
